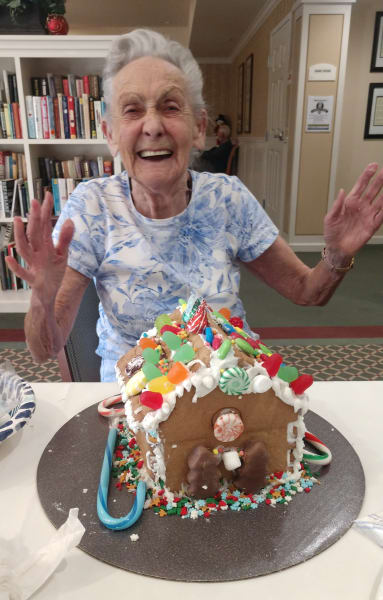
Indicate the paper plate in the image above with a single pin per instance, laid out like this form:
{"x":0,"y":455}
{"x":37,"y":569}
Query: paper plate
{"x":19,"y":416}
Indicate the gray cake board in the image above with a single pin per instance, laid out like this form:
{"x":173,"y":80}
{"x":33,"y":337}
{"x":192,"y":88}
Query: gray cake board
{"x":226,"y":547}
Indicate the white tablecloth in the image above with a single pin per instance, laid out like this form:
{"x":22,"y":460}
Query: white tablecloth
{"x":350,"y":569}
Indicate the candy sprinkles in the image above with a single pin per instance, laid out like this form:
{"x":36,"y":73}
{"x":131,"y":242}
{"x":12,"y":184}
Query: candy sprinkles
{"x":127,"y":463}
{"x":198,"y":381}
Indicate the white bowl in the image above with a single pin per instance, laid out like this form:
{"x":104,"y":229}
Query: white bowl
{"x":22,"y":412}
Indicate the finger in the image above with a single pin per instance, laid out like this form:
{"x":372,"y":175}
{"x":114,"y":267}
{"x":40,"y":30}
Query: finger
{"x":337,"y":207}
{"x":363,"y":180}
{"x":34,"y":225}
{"x":65,"y":237}
{"x":22,"y":245}
{"x":18,"y":270}
{"x":46,"y":217}
{"x":375,"y":187}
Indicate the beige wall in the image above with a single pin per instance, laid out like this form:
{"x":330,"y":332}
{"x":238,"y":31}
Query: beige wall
{"x":218,"y":91}
{"x":259,"y":46}
{"x":355,"y":152}
{"x":316,"y":148}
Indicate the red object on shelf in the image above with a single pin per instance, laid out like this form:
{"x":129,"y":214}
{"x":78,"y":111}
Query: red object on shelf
{"x":57,"y":24}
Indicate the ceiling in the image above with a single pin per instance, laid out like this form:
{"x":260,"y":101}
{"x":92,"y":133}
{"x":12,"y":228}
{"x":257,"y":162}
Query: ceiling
{"x":219,"y":25}
{"x":213,"y":28}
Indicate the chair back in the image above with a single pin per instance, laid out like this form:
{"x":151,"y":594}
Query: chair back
{"x":232,"y":163}
{"x":78,"y":361}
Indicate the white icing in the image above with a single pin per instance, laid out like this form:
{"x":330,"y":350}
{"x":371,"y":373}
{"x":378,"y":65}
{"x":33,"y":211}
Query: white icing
{"x":260,"y":384}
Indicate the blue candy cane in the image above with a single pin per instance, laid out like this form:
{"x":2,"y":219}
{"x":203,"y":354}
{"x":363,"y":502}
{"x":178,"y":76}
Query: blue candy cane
{"x":102,"y":496}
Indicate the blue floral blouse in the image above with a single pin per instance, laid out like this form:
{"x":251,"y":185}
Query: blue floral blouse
{"x":142,"y":266}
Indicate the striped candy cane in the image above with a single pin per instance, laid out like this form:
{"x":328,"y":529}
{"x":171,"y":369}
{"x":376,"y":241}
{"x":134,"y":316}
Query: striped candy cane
{"x":102,"y":495}
{"x":105,"y":411}
{"x":325,"y":456}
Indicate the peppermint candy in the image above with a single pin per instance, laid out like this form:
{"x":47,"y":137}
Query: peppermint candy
{"x":198,"y":322}
{"x":234,"y":381}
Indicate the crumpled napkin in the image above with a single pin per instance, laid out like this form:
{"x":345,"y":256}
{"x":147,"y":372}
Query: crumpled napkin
{"x":22,"y":575}
{"x":372,"y":527}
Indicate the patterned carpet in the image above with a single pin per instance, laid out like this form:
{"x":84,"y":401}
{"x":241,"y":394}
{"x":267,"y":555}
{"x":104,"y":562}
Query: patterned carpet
{"x":352,"y":362}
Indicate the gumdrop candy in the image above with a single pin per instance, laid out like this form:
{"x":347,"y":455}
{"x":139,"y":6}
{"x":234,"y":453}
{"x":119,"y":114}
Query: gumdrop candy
{"x":150,"y":371}
{"x":301,"y":384}
{"x":236,"y":322}
{"x":147,"y":343}
{"x":272,"y":364}
{"x":177,"y":373}
{"x":184,"y":354}
{"x":153,"y":400}
{"x":172,"y":340}
{"x":150,"y":355}
{"x":161,"y":385}
{"x":288,"y":374}
{"x":162,"y":320}
{"x":175,"y":329}
{"x":225,"y":312}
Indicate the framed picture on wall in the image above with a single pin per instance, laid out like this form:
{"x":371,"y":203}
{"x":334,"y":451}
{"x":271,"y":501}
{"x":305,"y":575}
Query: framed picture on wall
{"x":240,"y":99}
{"x":373,"y":129}
{"x":377,"y":46}
{"x":247,"y":94}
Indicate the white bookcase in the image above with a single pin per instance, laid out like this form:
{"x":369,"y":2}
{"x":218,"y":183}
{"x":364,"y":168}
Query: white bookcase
{"x":35,"y":56}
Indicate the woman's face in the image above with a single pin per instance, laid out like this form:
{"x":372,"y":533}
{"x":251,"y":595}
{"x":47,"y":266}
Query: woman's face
{"x":152,"y":123}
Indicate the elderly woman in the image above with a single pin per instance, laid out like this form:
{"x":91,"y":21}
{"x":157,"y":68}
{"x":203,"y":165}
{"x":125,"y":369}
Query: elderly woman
{"x":158,"y":231}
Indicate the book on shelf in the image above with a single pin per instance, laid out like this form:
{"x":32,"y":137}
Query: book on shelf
{"x":12,"y":165}
{"x":38,"y":116}
{"x":44,"y":117}
{"x":30,"y":117}
{"x":77,"y":102}
{"x":8,"y":280}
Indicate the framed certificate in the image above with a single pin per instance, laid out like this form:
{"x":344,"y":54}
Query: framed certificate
{"x":373,"y":128}
{"x":377,"y":46}
{"x":240,"y":99}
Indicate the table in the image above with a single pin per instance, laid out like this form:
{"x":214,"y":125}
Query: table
{"x":350,"y":569}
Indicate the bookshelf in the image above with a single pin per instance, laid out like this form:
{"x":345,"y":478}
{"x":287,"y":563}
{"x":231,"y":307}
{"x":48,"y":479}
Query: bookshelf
{"x":34,"y":56}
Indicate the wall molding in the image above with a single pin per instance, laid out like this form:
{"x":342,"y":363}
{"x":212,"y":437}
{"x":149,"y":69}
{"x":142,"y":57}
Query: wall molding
{"x":260,"y":19}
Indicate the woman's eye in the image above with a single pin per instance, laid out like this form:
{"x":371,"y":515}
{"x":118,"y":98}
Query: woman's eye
{"x":172,"y":108}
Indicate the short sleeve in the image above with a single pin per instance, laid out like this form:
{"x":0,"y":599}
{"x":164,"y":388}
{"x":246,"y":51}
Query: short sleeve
{"x":87,"y":248}
{"x":253,"y":228}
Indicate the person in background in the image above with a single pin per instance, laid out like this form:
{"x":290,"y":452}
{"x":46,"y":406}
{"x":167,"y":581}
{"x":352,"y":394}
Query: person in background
{"x":216,"y":159}
{"x":160,"y":231}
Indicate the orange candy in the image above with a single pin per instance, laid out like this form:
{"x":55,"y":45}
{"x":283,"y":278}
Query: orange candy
{"x":225,"y":312}
{"x":147,"y":343}
{"x":177,"y":373}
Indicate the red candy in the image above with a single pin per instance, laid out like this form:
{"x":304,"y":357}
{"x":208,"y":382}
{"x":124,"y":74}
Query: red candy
{"x":301,"y":384}
{"x":171,"y":328}
{"x":235,"y":334}
{"x":217,"y":341}
{"x":236,"y":322}
{"x":153,"y":400}
{"x":253,"y":343}
{"x":272,"y":364}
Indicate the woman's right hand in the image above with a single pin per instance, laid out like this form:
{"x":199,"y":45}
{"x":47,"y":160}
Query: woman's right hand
{"x":46,"y":262}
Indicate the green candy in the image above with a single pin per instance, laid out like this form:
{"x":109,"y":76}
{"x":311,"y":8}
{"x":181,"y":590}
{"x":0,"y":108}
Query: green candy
{"x":150,"y":371}
{"x":184,"y":354}
{"x":224,"y":349}
{"x":220,"y":317}
{"x":172,"y":340}
{"x":151,"y":356}
{"x":288,"y":374}
{"x":264,"y":349}
{"x":181,"y":301}
{"x":162,"y":320}
{"x":245,"y":347}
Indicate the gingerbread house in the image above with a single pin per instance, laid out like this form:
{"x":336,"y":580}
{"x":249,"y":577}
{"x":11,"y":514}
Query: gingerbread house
{"x":209,"y":403}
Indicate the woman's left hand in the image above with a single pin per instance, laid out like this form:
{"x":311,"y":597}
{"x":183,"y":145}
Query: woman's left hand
{"x":355,"y":217}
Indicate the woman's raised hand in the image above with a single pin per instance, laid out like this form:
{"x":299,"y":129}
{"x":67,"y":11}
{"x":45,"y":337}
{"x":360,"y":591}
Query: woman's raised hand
{"x":46,"y":262}
{"x":355,"y":217}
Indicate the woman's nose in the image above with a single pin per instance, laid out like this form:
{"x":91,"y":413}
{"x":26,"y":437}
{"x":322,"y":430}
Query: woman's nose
{"x":153,"y":126}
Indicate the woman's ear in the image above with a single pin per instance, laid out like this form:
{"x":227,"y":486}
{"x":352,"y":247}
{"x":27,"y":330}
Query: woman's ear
{"x":108,"y":132}
{"x":199,"y":130}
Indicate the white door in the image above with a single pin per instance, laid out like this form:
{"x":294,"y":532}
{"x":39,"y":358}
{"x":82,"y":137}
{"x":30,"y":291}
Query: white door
{"x":276,"y":147}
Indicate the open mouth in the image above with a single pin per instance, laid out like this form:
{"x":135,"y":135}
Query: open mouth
{"x":155,"y":154}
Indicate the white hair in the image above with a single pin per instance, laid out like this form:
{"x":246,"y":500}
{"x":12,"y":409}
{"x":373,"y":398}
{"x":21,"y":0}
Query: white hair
{"x":145,"y":42}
